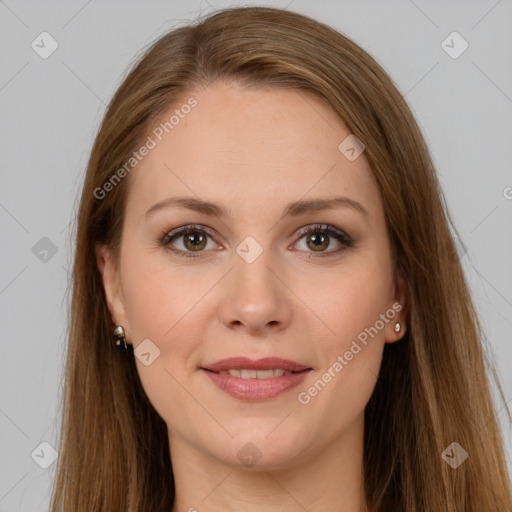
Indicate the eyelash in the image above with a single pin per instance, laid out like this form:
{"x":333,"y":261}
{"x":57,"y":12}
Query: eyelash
{"x":327,"y":229}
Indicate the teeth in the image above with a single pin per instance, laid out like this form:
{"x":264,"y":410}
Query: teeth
{"x":256,"y":374}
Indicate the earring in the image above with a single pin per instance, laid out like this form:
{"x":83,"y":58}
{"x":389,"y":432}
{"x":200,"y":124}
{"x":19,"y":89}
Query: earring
{"x":397,"y":327}
{"x":119,"y":337}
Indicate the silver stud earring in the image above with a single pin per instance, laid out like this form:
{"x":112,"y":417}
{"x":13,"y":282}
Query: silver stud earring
{"x":119,"y":337}
{"x":397,"y":327}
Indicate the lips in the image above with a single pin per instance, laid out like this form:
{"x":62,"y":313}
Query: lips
{"x":260,"y":379}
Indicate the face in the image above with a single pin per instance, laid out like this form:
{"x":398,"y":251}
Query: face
{"x":248,"y":279}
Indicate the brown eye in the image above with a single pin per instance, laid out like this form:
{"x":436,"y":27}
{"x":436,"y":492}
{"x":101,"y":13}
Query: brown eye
{"x":320,"y":237}
{"x":195,"y":240}
{"x":188,"y":240}
{"x":317,"y":241}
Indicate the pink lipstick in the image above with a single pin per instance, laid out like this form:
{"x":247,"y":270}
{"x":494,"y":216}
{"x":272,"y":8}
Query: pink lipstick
{"x":261,"y":379}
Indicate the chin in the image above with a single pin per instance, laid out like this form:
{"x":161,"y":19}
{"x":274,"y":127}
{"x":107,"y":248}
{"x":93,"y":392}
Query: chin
{"x":261,"y":451}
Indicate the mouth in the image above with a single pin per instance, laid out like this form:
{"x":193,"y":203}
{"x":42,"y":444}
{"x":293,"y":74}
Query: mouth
{"x":261,"y":379}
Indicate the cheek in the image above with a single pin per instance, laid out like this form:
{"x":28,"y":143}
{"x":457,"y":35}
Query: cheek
{"x":152,"y":302}
{"x":157,"y":294}
{"x":347,"y":300}
{"x":351,"y":305}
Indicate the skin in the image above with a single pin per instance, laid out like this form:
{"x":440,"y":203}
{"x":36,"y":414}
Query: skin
{"x":254,"y":151}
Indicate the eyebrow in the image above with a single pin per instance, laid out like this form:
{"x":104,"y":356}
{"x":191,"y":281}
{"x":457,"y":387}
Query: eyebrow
{"x":292,"y":209}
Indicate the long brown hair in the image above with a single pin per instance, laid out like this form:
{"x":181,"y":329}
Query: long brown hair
{"x":433,"y":388}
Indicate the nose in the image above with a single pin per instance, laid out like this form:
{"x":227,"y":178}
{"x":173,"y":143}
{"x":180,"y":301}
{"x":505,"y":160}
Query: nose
{"x":256,"y":296}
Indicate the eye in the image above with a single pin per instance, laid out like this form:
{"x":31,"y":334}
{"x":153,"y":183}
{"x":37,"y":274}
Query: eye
{"x":318,"y":238}
{"x":194,"y":239}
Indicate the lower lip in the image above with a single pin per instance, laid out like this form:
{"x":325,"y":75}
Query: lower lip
{"x":256,"y":389}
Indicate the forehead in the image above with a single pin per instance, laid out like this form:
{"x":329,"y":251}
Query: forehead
{"x":249,"y":147}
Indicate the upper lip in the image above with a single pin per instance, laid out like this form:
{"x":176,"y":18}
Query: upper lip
{"x":267,"y":363}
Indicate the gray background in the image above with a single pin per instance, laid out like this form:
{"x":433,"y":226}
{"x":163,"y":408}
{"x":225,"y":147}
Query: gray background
{"x":51,"y":108}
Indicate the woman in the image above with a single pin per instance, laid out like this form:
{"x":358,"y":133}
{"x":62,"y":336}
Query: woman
{"x":269,"y":312}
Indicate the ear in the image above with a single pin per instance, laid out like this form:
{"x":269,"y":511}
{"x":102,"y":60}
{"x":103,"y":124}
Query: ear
{"x":112,"y":287}
{"x":400,"y":305}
